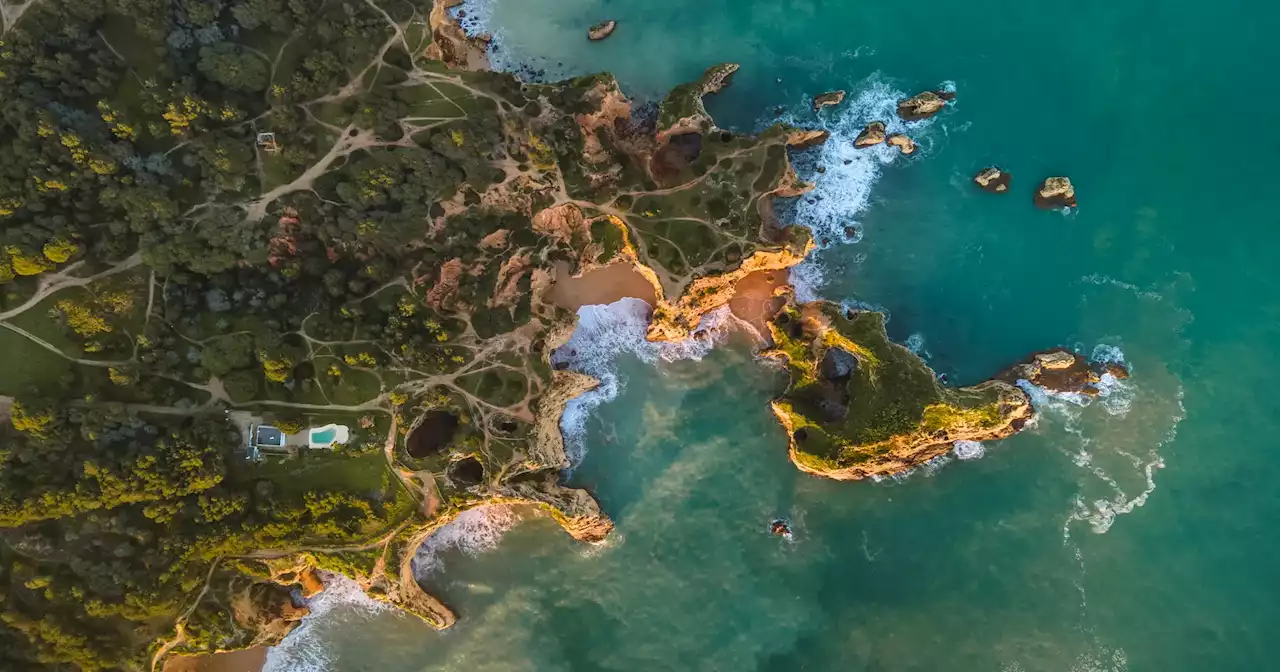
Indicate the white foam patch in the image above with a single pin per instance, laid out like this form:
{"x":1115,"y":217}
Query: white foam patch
{"x":1114,"y":465}
{"x":842,"y":189}
{"x":341,"y":604}
{"x":606,"y":332}
{"x":968,"y":450}
{"x":915,"y":343}
{"x":473,"y":532}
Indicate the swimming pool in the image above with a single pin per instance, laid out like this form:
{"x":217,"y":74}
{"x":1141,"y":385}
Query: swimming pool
{"x":323,"y":437}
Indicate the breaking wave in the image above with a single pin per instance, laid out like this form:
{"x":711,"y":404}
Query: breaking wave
{"x":842,"y":176}
{"x":1118,"y":475}
{"x":473,"y":532}
{"x":606,"y":332}
{"x":968,"y":450}
{"x":341,"y":604}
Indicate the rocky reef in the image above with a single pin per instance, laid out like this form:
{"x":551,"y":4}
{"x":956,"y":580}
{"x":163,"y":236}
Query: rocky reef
{"x":873,"y":134}
{"x":904,"y":144}
{"x":1056,"y":192}
{"x":827,"y":99}
{"x":601,"y":30}
{"x":923,"y":105}
{"x":993,"y":179}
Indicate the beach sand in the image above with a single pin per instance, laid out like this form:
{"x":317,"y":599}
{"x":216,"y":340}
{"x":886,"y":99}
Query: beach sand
{"x":754,"y":302}
{"x":600,"y":286}
{"x":248,"y":660}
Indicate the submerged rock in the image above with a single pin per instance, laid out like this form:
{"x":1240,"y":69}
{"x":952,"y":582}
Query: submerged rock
{"x":903,"y":143}
{"x":873,"y":134}
{"x":601,"y":30}
{"x":993,"y":179}
{"x":923,"y":105}
{"x":826,"y":99}
{"x":1056,"y":192}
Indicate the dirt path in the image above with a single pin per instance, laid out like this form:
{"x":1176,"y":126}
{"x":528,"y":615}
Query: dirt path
{"x":56,"y":282}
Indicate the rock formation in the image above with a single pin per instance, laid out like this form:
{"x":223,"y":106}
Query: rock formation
{"x":1056,"y":192}
{"x":923,"y":105}
{"x":601,"y":30}
{"x":993,"y":179}
{"x":873,"y":134}
{"x":826,"y":99}
{"x":804,"y":139}
{"x":903,"y":143}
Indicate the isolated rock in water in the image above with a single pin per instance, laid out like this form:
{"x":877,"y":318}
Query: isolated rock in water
{"x":1056,"y":192}
{"x":993,"y":179}
{"x":780,"y":528}
{"x":873,"y":134}
{"x":829,"y":98}
{"x":601,"y":30}
{"x":903,"y":143}
{"x":923,"y":105}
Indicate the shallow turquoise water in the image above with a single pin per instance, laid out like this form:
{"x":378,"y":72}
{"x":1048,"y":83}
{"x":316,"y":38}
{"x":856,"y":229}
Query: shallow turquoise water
{"x":1160,"y":114}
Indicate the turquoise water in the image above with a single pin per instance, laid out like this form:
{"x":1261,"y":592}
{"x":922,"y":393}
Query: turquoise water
{"x":323,"y":437}
{"x":1136,"y":533}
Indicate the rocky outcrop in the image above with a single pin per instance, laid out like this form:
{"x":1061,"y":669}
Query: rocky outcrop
{"x":601,"y":30}
{"x":675,"y":321}
{"x":873,"y":134}
{"x":804,"y":139}
{"x":827,"y":99}
{"x":859,"y":405}
{"x":450,"y":44}
{"x":993,"y":179}
{"x":682,"y":111}
{"x":1056,"y":192}
{"x":1064,"y":371}
{"x":903,"y":143}
{"x":923,"y":105}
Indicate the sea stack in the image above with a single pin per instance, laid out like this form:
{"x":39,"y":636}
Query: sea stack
{"x":873,"y":134}
{"x":601,"y":30}
{"x":903,"y":143}
{"x":1056,"y":192}
{"x":993,"y":179}
{"x":826,"y":99}
{"x":924,"y":105}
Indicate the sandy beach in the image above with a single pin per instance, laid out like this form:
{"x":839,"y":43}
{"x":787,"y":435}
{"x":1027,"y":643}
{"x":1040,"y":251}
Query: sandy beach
{"x":248,"y":660}
{"x":599,"y":286}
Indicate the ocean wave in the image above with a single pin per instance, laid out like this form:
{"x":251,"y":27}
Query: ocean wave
{"x":341,"y":604}
{"x":472,"y":532}
{"x":843,"y":177}
{"x":968,"y":450}
{"x":1097,"y":279}
{"x":605,"y":333}
{"x":1108,"y":458}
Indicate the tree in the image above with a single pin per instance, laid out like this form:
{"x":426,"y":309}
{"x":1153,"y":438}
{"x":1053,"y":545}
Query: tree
{"x":234,"y":67}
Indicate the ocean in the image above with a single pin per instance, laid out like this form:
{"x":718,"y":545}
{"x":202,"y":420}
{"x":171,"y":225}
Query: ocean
{"x":1127,"y":533}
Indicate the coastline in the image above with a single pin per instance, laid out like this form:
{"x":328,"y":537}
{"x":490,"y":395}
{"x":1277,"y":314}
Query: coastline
{"x":754,"y":283}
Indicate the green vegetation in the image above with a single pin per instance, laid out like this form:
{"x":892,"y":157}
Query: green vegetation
{"x":221,"y":213}
{"x":856,"y":396}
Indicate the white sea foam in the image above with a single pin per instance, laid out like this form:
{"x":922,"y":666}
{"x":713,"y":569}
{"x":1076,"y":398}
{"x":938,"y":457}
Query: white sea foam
{"x":1104,"y":458}
{"x":915,"y":343}
{"x":602,"y":335}
{"x":968,"y":450}
{"x":473,"y":532}
{"x":341,"y":604}
{"x":842,"y":189}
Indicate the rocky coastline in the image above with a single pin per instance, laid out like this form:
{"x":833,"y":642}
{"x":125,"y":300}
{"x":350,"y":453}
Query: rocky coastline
{"x":824,"y":348}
